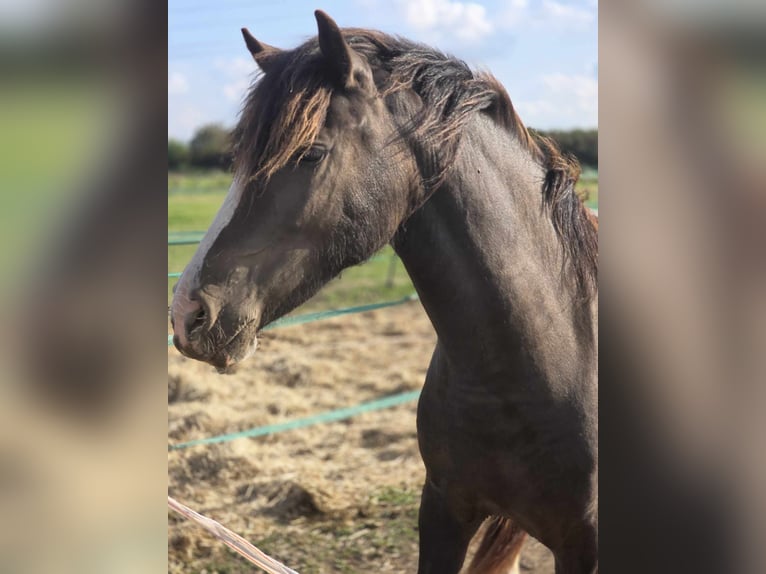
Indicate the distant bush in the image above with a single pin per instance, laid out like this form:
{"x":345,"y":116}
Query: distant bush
{"x":211,"y":147}
{"x":178,"y":155}
{"x":583,"y":144}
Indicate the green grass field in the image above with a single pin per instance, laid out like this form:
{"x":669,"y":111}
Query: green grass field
{"x":194,"y":199}
{"x":587,"y":187}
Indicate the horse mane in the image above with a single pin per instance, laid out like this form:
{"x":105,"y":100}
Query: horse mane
{"x":282,"y":114}
{"x":285,"y":110}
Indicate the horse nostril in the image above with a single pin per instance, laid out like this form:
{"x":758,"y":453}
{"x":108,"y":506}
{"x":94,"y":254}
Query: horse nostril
{"x":195,"y":320}
{"x":195,"y":313}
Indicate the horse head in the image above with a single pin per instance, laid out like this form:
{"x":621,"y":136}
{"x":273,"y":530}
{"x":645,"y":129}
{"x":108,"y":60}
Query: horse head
{"x":321,"y":182}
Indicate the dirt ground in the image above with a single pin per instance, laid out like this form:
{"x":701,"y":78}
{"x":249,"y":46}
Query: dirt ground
{"x":332,"y":498}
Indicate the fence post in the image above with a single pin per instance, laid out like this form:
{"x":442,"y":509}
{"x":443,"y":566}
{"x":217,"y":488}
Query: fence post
{"x":391,"y":271}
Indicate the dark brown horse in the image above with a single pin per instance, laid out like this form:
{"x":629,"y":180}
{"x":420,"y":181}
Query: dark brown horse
{"x":355,"y":139}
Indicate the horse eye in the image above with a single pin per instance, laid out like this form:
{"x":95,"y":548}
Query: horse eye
{"x":314,"y":154}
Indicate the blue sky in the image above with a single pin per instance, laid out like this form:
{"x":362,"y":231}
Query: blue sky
{"x":545,"y":52}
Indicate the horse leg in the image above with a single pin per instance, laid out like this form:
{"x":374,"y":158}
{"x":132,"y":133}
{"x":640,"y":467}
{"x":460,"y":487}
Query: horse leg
{"x":444,"y":534}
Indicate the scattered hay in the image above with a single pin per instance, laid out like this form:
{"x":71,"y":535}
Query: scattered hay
{"x":180,"y":390}
{"x":195,"y":424}
{"x":338,"y":498}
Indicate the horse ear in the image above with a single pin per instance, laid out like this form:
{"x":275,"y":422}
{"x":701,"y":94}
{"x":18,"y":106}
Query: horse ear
{"x":263,"y":54}
{"x":344,"y":62}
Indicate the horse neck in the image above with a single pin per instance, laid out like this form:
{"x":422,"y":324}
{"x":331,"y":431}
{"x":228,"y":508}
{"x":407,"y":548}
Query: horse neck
{"x":486,"y":262}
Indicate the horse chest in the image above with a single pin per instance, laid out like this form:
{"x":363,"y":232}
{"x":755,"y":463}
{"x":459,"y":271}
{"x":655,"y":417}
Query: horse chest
{"x":510,"y":435}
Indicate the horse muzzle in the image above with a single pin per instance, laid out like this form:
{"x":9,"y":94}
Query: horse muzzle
{"x":201,"y":332}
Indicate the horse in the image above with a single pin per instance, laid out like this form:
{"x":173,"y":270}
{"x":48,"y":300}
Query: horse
{"x":356,"y":139}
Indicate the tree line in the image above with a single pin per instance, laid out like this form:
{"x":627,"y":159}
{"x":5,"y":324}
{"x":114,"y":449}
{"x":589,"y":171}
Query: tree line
{"x":583,"y":144}
{"x":210,"y":148}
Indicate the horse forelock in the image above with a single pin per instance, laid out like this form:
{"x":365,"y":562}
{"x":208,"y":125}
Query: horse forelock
{"x":282,"y":115}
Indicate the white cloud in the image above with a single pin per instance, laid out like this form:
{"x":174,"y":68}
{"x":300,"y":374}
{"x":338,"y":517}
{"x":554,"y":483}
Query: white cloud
{"x":239,"y":72}
{"x":566,"y":14}
{"x":467,"y":21}
{"x":516,"y":11}
{"x":236,"y":66}
{"x":177,"y":84}
{"x":581,"y":87}
{"x":564,"y":100}
{"x":235,"y":91}
{"x":548,"y":14}
{"x":184,"y":120}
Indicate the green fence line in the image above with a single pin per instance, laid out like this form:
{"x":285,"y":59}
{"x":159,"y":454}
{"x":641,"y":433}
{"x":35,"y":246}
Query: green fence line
{"x":321,"y":315}
{"x":321,"y":418}
{"x":185,"y":237}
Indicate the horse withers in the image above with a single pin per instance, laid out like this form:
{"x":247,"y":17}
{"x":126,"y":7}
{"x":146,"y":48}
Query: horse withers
{"x":356,"y":139}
